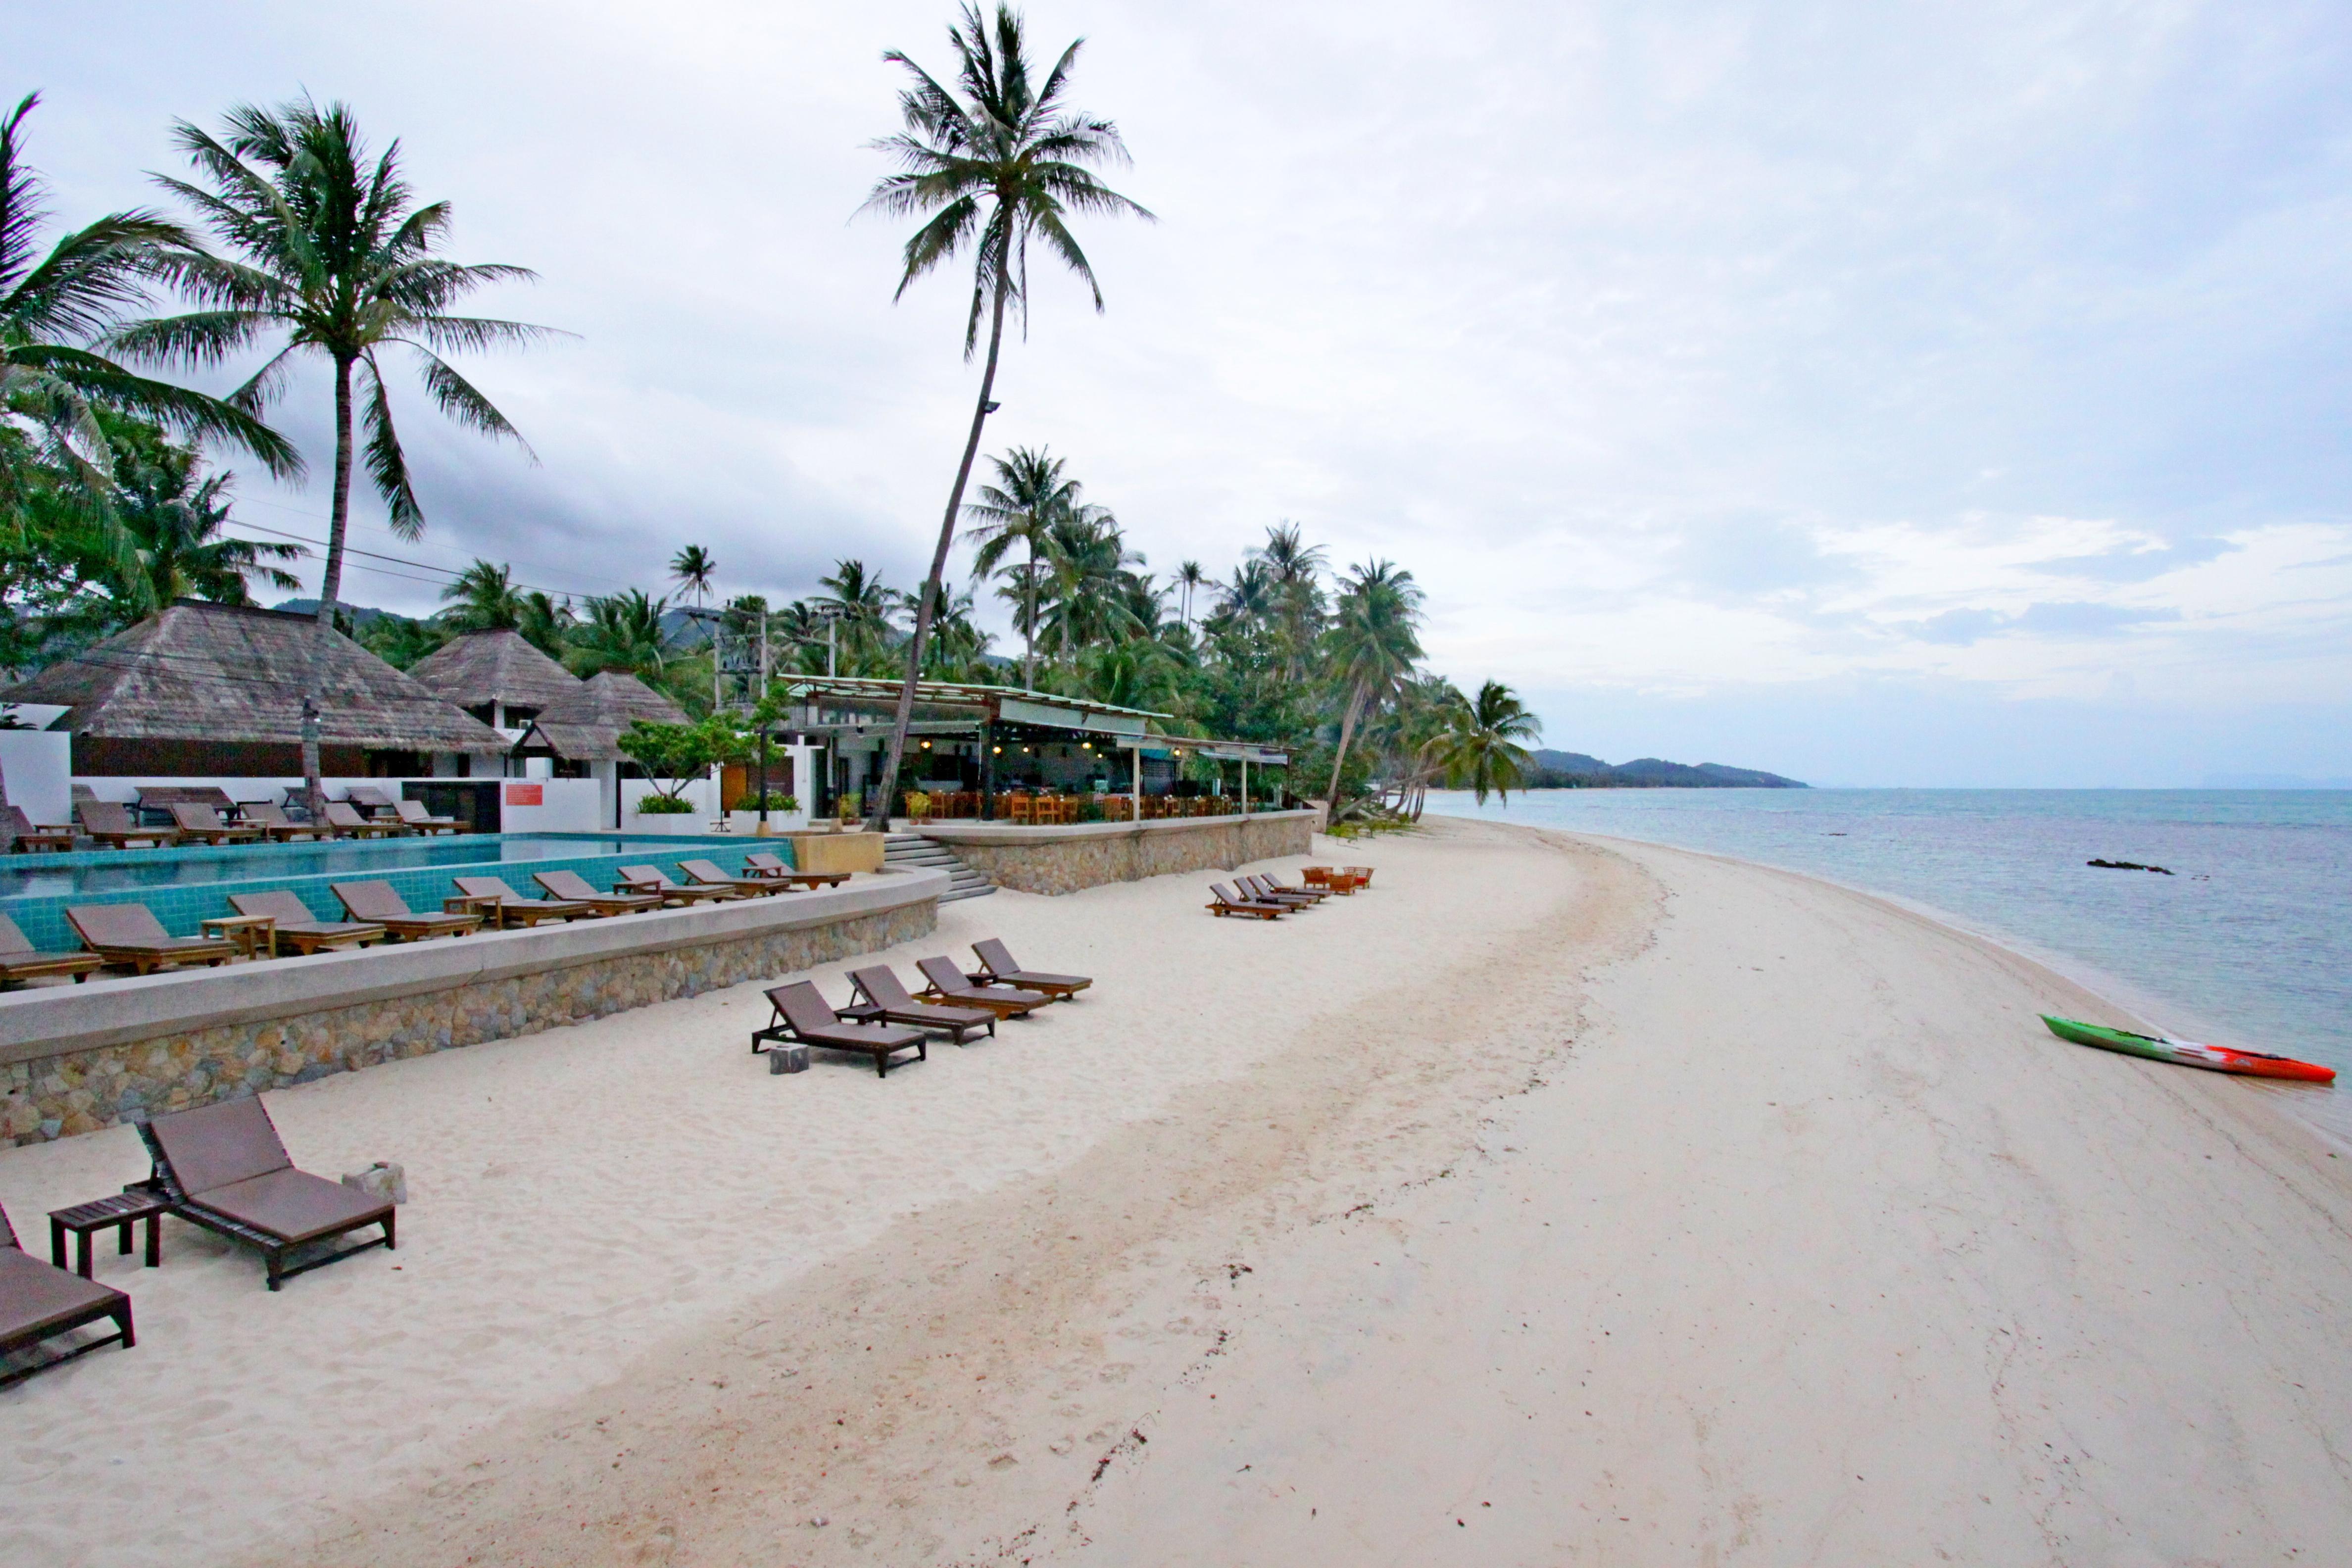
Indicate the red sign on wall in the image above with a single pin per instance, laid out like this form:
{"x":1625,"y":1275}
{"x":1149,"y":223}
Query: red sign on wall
{"x":526,"y":794}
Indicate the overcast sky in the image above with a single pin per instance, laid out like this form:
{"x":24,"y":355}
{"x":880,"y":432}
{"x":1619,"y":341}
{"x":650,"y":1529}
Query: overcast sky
{"x":1918,"y":395}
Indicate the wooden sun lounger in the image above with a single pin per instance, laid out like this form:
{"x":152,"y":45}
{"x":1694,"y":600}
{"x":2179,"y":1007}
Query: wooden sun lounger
{"x":131,"y":934}
{"x":19,"y":960}
{"x":370,"y":799}
{"x":886,"y":999}
{"x":343,"y":819}
{"x":298,"y":929}
{"x":412,"y":812}
{"x":951,"y":985}
{"x":706,"y":873}
{"x":512,"y":909}
{"x":768,"y":865}
{"x":804,"y":1016}
{"x":997,"y":965}
{"x":1269,"y":886}
{"x":224,"y":1167}
{"x":1223,"y":902}
{"x":651,"y":879}
{"x":377,"y":903}
{"x":40,"y":1301}
{"x":1266,"y":892}
{"x":204,"y":825}
{"x":30,"y":839}
{"x":110,"y":823}
{"x":271,"y":818}
{"x":573,"y":887}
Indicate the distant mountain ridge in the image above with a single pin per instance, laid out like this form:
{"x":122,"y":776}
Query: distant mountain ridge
{"x":1574,"y":770}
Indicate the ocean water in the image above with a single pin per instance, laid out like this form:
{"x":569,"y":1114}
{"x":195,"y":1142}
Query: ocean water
{"x":2247,"y":944}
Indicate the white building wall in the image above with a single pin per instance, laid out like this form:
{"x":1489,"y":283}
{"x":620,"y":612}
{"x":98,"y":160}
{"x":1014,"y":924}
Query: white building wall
{"x":39,"y":764}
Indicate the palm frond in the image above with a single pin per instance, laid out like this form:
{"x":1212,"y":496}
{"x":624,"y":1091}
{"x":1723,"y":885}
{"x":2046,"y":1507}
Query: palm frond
{"x":387,"y":465}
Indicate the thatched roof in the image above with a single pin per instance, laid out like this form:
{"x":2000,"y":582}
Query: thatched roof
{"x":223,"y":673}
{"x":494,"y":667}
{"x":586,"y":726}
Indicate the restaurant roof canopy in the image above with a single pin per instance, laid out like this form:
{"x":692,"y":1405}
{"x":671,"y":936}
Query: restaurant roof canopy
{"x":939,"y":702}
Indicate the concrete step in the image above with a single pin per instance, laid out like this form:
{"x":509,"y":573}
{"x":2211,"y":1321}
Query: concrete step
{"x":911,"y":851}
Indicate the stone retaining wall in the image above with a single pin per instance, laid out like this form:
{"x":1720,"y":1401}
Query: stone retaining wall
{"x":1088,"y":855}
{"x":79,"y":1089}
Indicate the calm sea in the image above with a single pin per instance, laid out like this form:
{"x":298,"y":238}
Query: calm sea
{"x":2248,"y":943}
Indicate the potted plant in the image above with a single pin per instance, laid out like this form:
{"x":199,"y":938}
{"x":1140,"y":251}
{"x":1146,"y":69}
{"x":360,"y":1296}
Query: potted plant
{"x":745,"y":813}
{"x":918,"y":807}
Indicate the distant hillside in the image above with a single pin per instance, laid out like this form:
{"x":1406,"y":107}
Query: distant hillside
{"x":1574,"y":770}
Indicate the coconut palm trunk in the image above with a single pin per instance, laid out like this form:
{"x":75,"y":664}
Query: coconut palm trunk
{"x":1346,"y":733}
{"x":877,"y":816}
{"x":330,"y":586}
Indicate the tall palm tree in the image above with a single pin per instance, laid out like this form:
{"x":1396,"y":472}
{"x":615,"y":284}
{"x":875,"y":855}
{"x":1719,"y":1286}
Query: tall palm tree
{"x":175,"y":521}
{"x":545,"y":623}
{"x":624,"y":632}
{"x":692,"y":569}
{"x":1294,"y":568}
{"x":482,"y":599}
{"x":1481,"y":749}
{"x":866,"y":609}
{"x":1020,"y":507}
{"x":1086,"y":584}
{"x":78,"y":292}
{"x":1189,"y":576}
{"x":990,"y":165}
{"x":1372,"y":644}
{"x":331,"y":251}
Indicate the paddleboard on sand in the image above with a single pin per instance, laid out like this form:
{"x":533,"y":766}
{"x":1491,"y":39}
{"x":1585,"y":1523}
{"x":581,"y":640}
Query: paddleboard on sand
{"x":2189,"y":1053}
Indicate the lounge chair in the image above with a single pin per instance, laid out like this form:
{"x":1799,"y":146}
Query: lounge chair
{"x":886,"y":999}
{"x":224,"y":1167}
{"x":412,"y":812}
{"x":707,"y":874}
{"x":768,"y":865}
{"x":272,"y":819}
{"x":1289,"y":890}
{"x":951,"y":985}
{"x":131,"y":934}
{"x":300,"y":931}
{"x":343,"y":819}
{"x":1224,"y":902}
{"x":202,"y":824}
{"x":997,"y":965}
{"x":1266,"y":892}
{"x":652,"y":879}
{"x":30,"y":838}
{"x":19,"y":960}
{"x":513,"y":909}
{"x":802,"y":1015}
{"x":110,"y":823}
{"x":370,"y":799}
{"x":39,"y":1301}
{"x":573,"y":887}
{"x":377,"y":904}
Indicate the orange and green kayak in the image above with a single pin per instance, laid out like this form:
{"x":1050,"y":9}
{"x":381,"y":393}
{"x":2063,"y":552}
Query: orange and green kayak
{"x":2189,"y":1053}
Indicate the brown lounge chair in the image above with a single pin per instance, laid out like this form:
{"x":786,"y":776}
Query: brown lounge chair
{"x":1223,"y":902}
{"x":30,"y":838}
{"x":1269,"y":886}
{"x":224,"y":1167}
{"x":767,"y":865}
{"x":886,"y":999}
{"x":19,"y":960}
{"x":110,"y":823}
{"x":272,"y":819}
{"x":370,"y":799}
{"x":377,"y":904}
{"x":202,"y":824}
{"x":131,"y":934}
{"x":343,"y":819}
{"x":573,"y":887}
{"x":1266,"y":892}
{"x":651,"y":879}
{"x":298,"y":929}
{"x":513,"y":909}
{"x":951,"y":985}
{"x":39,"y":1301}
{"x":413,"y":814}
{"x":707,"y":874}
{"x":997,"y":965}
{"x":802,"y":1015}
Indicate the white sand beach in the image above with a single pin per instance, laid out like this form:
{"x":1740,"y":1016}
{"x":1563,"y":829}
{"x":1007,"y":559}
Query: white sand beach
{"x":1554,"y":1200}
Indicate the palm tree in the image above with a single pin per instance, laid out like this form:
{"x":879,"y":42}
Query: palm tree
{"x":483,"y":598}
{"x":1004,"y":164}
{"x":864,"y":607}
{"x":1189,"y":576}
{"x":175,"y":521}
{"x":1295,"y":569}
{"x":624,"y":631}
{"x":78,"y":292}
{"x":1086,"y":584}
{"x":692,"y":569}
{"x":1480,"y":750}
{"x":1372,"y":645}
{"x":334,"y":253}
{"x":1029,"y":494}
{"x":546,"y":624}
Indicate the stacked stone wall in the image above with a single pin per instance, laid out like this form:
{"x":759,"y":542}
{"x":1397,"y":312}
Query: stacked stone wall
{"x":1055,"y":862}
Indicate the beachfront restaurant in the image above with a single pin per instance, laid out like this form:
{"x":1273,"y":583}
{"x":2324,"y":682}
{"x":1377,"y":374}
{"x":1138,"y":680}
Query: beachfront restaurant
{"x":1005,"y":754}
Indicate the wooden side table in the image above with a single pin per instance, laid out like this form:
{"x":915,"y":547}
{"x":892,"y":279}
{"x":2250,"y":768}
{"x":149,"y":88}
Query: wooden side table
{"x":119,"y":1211}
{"x":489,"y":906}
{"x":256,"y":935}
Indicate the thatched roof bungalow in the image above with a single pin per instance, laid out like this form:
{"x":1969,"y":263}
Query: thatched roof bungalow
{"x":205,"y":690}
{"x":497,"y":676}
{"x":586,"y":726}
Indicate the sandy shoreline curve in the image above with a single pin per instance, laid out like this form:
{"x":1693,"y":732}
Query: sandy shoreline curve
{"x":1555,"y":1201}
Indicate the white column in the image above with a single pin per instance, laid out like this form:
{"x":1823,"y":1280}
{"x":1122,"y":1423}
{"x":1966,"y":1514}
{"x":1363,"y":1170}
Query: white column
{"x":1135,"y":805}
{"x":1244,"y":784}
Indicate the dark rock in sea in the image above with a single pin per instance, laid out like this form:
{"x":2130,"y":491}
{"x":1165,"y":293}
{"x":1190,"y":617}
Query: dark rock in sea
{"x":2127,"y":866}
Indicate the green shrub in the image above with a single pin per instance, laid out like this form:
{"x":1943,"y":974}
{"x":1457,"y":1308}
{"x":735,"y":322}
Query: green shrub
{"x":657,"y":805}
